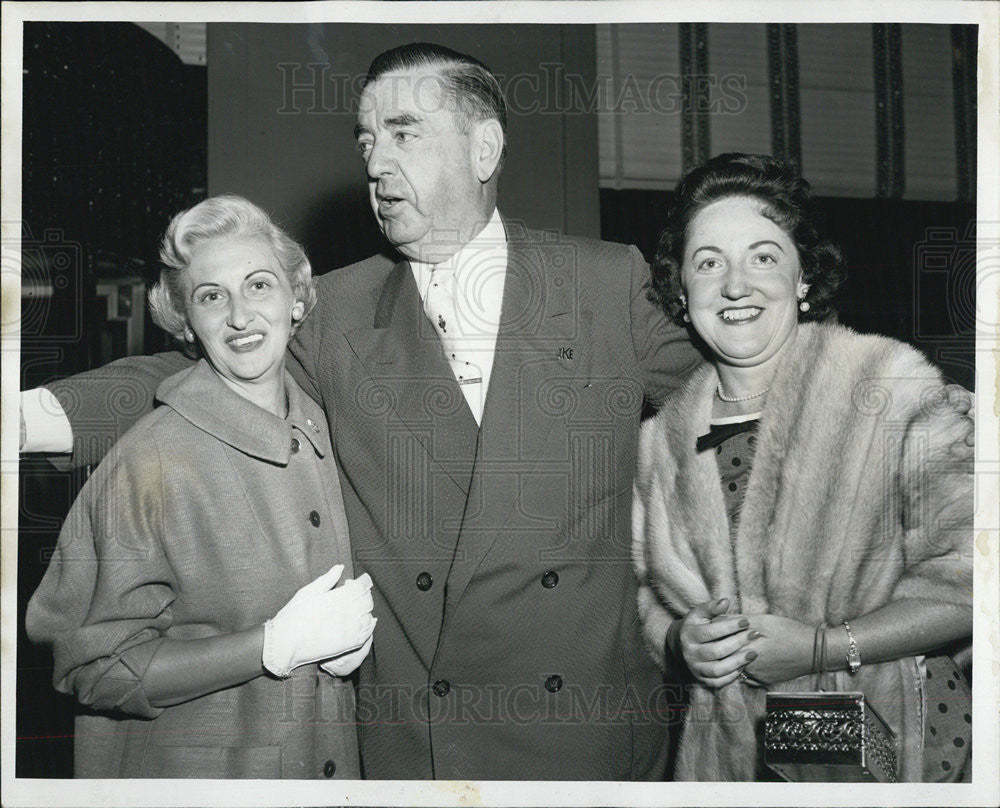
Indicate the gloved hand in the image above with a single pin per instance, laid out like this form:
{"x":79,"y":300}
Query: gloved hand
{"x":345,"y":664}
{"x":319,"y":622}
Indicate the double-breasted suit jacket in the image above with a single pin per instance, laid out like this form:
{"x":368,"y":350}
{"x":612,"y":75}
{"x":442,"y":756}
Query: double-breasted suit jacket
{"x":508,"y":643}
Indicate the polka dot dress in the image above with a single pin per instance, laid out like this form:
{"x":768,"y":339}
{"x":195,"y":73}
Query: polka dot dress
{"x":735,"y":457}
{"x":947,"y":723}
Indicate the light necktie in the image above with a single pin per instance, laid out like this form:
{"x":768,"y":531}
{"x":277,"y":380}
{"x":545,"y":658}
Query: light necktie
{"x":441,"y":307}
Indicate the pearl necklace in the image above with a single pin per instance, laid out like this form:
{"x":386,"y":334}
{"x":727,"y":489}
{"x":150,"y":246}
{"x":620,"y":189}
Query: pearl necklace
{"x":738,"y":399}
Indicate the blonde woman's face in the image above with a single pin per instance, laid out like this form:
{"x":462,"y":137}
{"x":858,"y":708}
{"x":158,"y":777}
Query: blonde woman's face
{"x":240,"y":307}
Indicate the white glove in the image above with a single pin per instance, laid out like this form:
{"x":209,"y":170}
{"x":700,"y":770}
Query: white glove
{"x":345,"y":664}
{"x":319,"y":622}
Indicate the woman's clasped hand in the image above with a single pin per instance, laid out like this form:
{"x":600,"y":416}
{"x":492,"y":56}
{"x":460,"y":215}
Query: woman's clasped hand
{"x":321,"y":623}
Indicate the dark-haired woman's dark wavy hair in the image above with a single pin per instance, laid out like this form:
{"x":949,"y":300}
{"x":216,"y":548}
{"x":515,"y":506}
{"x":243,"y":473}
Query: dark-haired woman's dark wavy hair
{"x":785,"y":198}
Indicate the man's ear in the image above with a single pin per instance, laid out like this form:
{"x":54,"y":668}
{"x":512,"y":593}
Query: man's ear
{"x":487,"y":148}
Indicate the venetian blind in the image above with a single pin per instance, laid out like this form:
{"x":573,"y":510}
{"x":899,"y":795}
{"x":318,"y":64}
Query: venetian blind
{"x":870,"y":109}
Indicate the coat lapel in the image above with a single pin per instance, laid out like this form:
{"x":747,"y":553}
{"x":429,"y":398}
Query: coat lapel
{"x":407,"y":371}
{"x":541,"y":363}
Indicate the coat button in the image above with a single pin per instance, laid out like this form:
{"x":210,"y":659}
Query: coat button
{"x":314,"y":518}
{"x":295,"y":445}
{"x":550,"y":579}
{"x":441,"y":687}
{"x":329,"y":768}
{"x":424,"y":581}
{"x":553,"y":683}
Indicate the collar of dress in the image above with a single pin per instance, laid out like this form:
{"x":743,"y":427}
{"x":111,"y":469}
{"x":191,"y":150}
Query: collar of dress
{"x":199,"y":396}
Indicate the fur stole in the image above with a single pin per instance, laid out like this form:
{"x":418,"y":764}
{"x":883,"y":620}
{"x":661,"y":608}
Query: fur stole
{"x":853,"y":500}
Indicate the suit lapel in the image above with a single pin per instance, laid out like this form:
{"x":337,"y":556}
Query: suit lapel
{"x":409,"y":377}
{"x":542,"y":360}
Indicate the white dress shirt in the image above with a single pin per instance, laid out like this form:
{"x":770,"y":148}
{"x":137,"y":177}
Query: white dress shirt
{"x":46,"y":427}
{"x":480,"y":269}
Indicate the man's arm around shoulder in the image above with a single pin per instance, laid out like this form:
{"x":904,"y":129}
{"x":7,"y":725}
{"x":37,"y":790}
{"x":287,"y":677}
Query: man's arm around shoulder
{"x":85,"y":414}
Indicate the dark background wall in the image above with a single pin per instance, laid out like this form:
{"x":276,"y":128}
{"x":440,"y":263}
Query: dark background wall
{"x":283,"y":101}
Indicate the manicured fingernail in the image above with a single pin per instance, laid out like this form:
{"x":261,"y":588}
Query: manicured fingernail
{"x":751,"y":656}
{"x":744,"y":623}
{"x":753,"y":635}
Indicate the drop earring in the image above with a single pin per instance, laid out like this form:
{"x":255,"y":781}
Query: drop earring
{"x":803,"y":303}
{"x":686,"y":317}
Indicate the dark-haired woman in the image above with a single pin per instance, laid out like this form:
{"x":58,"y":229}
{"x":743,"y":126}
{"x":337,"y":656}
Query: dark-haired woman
{"x":804,"y":503}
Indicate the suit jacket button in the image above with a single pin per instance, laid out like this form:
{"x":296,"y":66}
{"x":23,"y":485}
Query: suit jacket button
{"x":550,"y":579}
{"x":424,"y":581}
{"x":441,"y":687}
{"x":295,"y":445}
{"x":554,"y":683}
{"x":314,"y":518}
{"x":329,"y":768}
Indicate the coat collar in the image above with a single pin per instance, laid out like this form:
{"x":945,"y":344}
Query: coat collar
{"x":199,"y":396}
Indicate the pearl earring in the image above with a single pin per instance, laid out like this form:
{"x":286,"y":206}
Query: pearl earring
{"x":686,"y":317}
{"x":804,"y":306}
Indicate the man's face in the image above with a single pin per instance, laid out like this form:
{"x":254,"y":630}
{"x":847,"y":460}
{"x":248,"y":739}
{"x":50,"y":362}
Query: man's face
{"x":422,"y":178}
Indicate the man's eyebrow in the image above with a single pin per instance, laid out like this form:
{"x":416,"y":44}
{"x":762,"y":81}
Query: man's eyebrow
{"x":403,"y":119}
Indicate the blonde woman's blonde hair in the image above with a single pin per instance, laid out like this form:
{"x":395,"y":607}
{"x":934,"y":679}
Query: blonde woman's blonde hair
{"x":225,"y":216}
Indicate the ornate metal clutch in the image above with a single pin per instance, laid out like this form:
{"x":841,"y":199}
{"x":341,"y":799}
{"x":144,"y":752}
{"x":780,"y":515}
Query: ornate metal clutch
{"x":828,"y":737}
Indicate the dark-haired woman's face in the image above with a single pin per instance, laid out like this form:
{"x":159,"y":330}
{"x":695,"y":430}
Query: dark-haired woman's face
{"x":741,"y":275}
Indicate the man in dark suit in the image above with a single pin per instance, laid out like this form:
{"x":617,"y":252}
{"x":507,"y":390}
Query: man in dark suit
{"x":483,"y":387}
